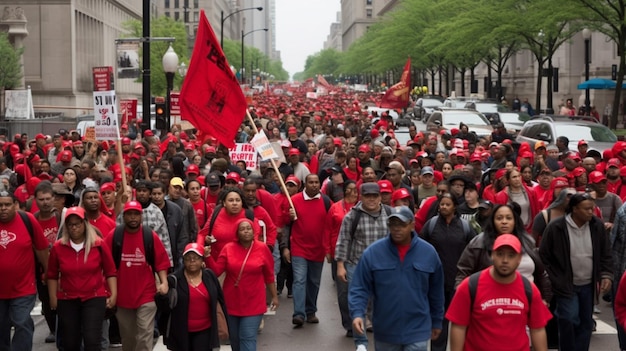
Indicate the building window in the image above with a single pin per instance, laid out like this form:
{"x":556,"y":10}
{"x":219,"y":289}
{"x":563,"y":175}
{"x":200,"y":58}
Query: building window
{"x":368,"y":2}
{"x":167,"y":14}
{"x":195,"y":4}
{"x":176,"y":4}
{"x":176,"y":16}
{"x":196,"y":17}
{"x":368,"y":13}
{"x":167,"y":4}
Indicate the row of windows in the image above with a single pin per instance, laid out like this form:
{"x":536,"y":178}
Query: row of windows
{"x":181,"y":16}
{"x":177,"y":4}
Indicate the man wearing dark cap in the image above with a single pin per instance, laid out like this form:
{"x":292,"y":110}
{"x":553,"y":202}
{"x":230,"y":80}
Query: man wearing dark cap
{"x":292,"y":134}
{"x":408,"y":303}
{"x":500,"y":297}
{"x":214,"y":183}
{"x":362,"y":226}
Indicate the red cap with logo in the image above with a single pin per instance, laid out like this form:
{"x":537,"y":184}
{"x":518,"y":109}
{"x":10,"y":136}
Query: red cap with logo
{"x":385,"y":186}
{"x":559,"y":182}
{"x":614,"y":162}
{"x":596,"y":177}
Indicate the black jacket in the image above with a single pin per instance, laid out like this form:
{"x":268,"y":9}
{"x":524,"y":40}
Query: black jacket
{"x":177,"y":336}
{"x":555,"y":254}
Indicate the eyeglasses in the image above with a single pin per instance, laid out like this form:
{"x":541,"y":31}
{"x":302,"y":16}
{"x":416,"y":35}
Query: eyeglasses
{"x":74,"y":225}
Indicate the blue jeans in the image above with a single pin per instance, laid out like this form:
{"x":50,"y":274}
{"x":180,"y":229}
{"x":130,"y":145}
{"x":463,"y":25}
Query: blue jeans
{"x":16,"y":312}
{"x":242,"y":332}
{"x":416,"y":346}
{"x":575,"y":318}
{"x":306,"y":285}
{"x":359,"y":339}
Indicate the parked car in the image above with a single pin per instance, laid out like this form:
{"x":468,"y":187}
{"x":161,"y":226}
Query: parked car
{"x":447,"y":119}
{"x":549,"y":128}
{"x":459,"y":101}
{"x":487,"y":108}
{"x":425,"y":105}
{"x":513,"y":121}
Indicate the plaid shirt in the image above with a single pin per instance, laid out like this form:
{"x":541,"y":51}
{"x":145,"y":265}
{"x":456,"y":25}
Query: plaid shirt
{"x":618,"y":242}
{"x":369,"y":229}
{"x":153,"y":218}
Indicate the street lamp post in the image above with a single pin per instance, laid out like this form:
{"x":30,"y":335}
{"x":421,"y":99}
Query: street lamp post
{"x":170,"y":66}
{"x":223,"y":19}
{"x":243,"y":35}
{"x":587,"y":37}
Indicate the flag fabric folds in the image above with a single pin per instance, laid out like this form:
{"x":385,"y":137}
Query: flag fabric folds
{"x":211,"y":98}
{"x":397,"y":96}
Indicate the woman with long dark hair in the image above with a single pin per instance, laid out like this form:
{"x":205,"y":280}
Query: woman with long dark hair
{"x":505,"y":219}
{"x":521,"y":194}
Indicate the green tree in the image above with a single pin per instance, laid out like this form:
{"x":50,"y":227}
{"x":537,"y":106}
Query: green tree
{"x":161,"y":27}
{"x":10,"y":69}
{"x":609,"y":18}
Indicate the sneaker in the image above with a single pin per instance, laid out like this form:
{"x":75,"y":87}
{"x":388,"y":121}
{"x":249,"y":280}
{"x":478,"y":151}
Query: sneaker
{"x":115,"y":345}
{"x":361,"y":348}
{"x":50,"y":339}
{"x":289,"y":294}
{"x":297,"y":321}
{"x":596,"y":310}
{"x":312,"y":318}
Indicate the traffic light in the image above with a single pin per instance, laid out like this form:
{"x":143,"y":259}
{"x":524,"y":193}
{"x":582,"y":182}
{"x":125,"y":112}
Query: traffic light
{"x":159,"y":112}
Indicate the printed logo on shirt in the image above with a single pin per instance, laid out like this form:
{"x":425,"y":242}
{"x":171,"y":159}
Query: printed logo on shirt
{"x":200,"y":211}
{"x":503,"y":305}
{"x":136,"y":259}
{"x":51,"y":234}
{"x":6,"y":238}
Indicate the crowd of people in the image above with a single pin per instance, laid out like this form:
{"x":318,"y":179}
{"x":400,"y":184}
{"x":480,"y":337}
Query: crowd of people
{"x":410,"y":232}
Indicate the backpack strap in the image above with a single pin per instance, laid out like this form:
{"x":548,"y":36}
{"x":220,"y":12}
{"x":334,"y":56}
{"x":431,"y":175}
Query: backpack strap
{"x":118,"y":240}
{"x":466,"y":228}
{"x":431,"y":224}
{"x":354,"y":224}
{"x":326,"y":202}
{"x":216,"y":212}
{"x":28,"y":224}
{"x":148,"y":246}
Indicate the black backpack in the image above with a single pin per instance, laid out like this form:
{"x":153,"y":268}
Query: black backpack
{"x":148,"y":245}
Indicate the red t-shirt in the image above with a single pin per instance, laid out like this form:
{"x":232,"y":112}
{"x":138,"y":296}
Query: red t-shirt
{"x":199,"y":314}
{"x":17,"y":261}
{"x":497,"y":305}
{"x":224,"y":230}
{"x":200,"y":211}
{"x":402,"y":250}
{"x":50,"y":229}
{"x":135,"y":279}
{"x":104,"y":224}
{"x":248,"y":298}
{"x":79,"y":279}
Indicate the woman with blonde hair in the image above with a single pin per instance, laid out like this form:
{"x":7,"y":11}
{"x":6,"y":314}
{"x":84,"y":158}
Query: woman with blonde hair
{"x":78,"y":266}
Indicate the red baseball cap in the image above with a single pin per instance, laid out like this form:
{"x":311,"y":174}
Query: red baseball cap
{"x":233,"y":176}
{"x":39,"y":136}
{"x":385,"y":186}
{"x":614,"y":162}
{"x":78,"y":211}
{"x":193,"y":169}
{"x":293,"y":179}
{"x":509,"y":240}
{"x":66,"y":156}
{"x":364,"y":148}
{"x":294,"y":151}
{"x":401,"y":193}
{"x":195,"y":248}
{"x":292,"y":130}
{"x":559,"y":182}
{"x":596,"y":177}
{"x":133,"y":206}
{"x":582,"y":142}
{"x":125,"y":141}
{"x":148,"y":133}
{"x":578,"y":171}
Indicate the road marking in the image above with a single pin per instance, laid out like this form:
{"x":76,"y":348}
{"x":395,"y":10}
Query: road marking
{"x":603,"y":328}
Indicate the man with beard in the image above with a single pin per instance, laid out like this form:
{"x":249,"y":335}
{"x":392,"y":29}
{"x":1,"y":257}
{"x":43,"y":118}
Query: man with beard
{"x":136,"y":266}
{"x":91,"y":202}
{"x":324,"y":159}
{"x":497,"y":296}
{"x":612,"y":175}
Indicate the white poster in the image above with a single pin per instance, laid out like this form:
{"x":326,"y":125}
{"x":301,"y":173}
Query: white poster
{"x":105,"y":115}
{"x":244,"y":152}
{"x":19,"y":104}
{"x":263,"y":146}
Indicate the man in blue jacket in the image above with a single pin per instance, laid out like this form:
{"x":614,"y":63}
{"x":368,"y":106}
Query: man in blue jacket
{"x":404,"y":277}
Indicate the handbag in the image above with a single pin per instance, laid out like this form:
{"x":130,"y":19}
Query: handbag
{"x":222,"y":325}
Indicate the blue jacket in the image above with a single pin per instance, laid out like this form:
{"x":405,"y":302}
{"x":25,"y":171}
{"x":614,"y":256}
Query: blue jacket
{"x":407,"y":296}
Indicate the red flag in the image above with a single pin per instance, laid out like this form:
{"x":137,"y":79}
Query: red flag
{"x":211,"y":98}
{"x":397,"y":96}
{"x":323,"y":82}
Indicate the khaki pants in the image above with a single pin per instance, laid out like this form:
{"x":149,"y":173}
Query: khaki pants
{"x":137,"y":327}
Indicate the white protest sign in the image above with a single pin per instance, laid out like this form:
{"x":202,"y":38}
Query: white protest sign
{"x":244,"y":152}
{"x":263,"y":146}
{"x":19,"y":104}
{"x":311,"y":95}
{"x":105,"y":115}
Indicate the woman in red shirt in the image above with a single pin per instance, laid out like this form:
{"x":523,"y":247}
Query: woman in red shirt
{"x":78,"y":266}
{"x":193,"y":322}
{"x":202,"y":211}
{"x":249,"y":268}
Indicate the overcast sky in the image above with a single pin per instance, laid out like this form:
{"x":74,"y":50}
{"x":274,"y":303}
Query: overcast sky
{"x":301,"y":29}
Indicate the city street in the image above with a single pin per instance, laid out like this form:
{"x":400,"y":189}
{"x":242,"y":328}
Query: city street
{"x":279,"y":334}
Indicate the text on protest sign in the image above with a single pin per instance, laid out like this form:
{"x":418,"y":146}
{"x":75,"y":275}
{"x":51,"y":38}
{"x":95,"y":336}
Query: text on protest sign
{"x":244,"y":152}
{"x":105,"y":115}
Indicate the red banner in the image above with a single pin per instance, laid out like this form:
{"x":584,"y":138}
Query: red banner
{"x":174,"y":104}
{"x":397,"y":96}
{"x":102,"y":78}
{"x":211,"y":98}
{"x":128,"y":109}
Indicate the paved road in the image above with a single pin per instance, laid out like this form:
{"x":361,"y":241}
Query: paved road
{"x":278,"y":333}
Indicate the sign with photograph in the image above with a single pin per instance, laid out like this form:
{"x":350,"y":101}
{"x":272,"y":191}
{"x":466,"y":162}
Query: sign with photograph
{"x":128,"y":60}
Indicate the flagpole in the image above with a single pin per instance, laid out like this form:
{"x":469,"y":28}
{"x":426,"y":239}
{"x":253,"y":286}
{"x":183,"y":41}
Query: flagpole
{"x":280,"y":177}
{"x":120,"y":160}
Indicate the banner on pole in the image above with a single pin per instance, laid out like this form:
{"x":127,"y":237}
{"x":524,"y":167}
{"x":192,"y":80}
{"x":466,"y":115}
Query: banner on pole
{"x":105,"y":115}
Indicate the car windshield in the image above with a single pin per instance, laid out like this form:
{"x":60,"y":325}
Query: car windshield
{"x":402,"y":135}
{"x":587,"y":132}
{"x":454,"y":119}
{"x":431,"y":103}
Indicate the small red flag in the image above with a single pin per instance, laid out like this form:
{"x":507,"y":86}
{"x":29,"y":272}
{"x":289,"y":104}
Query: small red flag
{"x":397,"y":96}
{"x":211,"y":98}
